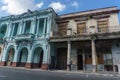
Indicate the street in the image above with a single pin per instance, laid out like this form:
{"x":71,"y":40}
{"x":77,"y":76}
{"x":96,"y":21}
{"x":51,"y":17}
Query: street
{"x":7,"y":73}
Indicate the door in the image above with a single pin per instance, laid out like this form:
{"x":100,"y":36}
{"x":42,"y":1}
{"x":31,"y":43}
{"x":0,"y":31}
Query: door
{"x":80,"y":62}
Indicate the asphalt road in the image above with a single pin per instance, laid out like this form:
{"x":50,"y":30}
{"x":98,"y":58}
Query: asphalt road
{"x":22,"y":74}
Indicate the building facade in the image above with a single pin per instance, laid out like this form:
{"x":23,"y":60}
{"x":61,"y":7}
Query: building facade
{"x":88,"y":41}
{"x":26,"y":41}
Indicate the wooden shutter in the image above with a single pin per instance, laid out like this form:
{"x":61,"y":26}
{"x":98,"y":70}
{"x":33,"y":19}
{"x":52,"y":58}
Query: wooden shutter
{"x":62,"y":28}
{"x":102,"y":26}
{"x":81,"y":28}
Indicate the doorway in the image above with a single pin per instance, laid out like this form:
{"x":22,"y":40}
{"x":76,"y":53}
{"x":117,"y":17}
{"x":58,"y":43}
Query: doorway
{"x":80,"y":62}
{"x":23,"y":57}
{"x":62,"y":58}
{"x":10,"y":56}
{"x":37,"y":58}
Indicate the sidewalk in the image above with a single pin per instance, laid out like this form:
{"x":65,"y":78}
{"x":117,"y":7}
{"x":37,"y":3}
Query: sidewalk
{"x":100,"y":73}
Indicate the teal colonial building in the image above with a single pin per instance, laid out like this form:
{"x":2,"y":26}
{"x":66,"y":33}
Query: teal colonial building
{"x":26,"y":39}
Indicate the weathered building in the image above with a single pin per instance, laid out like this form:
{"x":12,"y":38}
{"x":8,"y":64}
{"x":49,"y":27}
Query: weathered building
{"x":89,"y":40}
{"x":26,"y":41}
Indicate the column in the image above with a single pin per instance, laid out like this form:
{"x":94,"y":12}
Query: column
{"x":23,"y":28}
{"x":38,"y":22}
{"x":48,"y":26}
{"x":20,"y":27}
{"x":12,"y":30}
{"x":68,"y":55}
{"x":29,"y":60}
{"x":8,"y":30}
{"x":44,"y":29}
{"x":94,"y":64}
{"x":3,"y":62}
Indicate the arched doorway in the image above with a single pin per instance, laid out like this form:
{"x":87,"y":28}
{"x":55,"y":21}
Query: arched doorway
{"x":62,"y":58}
{"x":37,"y":57}
{"x":23,"y":57}
{"x":10,"y":56}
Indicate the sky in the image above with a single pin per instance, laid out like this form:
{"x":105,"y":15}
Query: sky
{"x":15,"y":7}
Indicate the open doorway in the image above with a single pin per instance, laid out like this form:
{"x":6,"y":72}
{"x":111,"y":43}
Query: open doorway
{"x":10,"y":57}
{"x":80,"y":62}
{"x":37,"y":58}
{"x":23,"y":57}
{"x":62,"y":58}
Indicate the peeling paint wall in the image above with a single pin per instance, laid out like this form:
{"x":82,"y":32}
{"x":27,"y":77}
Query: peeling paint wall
{"x":73,"y":58}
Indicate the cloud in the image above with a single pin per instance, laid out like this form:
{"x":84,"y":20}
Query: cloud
{"x":75,"y":4}
{"x":19,"y":6}
{"x":39,"y":5}
{"x":57,"y":6}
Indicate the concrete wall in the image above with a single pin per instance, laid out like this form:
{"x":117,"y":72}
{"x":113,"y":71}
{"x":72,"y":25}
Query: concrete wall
{"x":114,"y":22}
{"x":91,"y":26}
{"x":71,"y":27}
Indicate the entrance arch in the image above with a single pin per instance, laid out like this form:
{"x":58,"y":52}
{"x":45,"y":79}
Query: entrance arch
{"x":23,"y":57}
{"x":37,"y":57}
{"x":10,"y":56}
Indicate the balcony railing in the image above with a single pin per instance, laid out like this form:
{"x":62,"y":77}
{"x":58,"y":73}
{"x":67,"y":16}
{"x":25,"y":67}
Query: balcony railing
{"x":28,"y":36}
{"x":95,"y":31}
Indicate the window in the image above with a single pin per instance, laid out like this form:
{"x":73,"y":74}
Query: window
{"x":40,"y":25}
{"x":15,"y":29}
{"x":3,"y":29}
{"x":27,"y":27}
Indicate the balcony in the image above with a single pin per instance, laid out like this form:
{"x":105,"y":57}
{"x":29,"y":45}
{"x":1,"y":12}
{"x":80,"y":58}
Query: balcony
{"x":28,"y":36}
{"x":102,"y":33}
